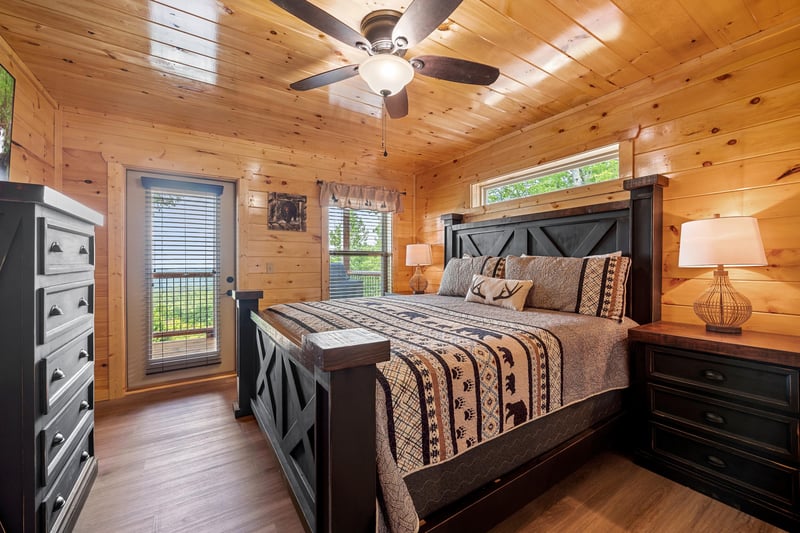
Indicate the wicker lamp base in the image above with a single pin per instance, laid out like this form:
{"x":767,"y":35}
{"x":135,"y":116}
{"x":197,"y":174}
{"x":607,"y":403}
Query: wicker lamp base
{"x":418,"y":283}
{"x":722,"y":307}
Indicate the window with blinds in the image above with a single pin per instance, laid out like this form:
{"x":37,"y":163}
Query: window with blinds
{"x":360,"y":251}
{"x":182,"y":225}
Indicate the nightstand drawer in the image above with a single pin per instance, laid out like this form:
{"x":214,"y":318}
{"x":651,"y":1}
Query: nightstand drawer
{"x":761,"y":478}
{"x":769,"y":431}
{"x":59,"y":436}
{"x":757,"y":383}
{"x":61,"y":370}
{"x":65,"y":248}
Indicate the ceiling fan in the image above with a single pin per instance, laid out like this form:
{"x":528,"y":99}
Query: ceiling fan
{"x":386,"y":35}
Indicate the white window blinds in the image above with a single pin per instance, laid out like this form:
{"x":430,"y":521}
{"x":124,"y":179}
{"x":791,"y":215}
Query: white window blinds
{"x":182,"y":225}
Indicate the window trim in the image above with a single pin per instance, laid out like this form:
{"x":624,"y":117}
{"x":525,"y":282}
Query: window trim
{"x":479,"y":190}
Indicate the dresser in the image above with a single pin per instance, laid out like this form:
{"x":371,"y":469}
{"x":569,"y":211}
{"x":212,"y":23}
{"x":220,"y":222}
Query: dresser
{"x":720,"y":413}
{"x":47,"y":260}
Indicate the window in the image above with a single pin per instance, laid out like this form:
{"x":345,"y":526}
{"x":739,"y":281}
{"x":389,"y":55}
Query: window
{"x":594,"y":166}
{"x":182,"y":265}
{"x":359,"y":246}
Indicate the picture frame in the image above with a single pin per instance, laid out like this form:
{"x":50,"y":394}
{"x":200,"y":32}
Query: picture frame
{"x":7,"y":85}
{"x":286,"y":212}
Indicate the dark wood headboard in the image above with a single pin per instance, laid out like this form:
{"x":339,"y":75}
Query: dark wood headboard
{"x":633,"y":226}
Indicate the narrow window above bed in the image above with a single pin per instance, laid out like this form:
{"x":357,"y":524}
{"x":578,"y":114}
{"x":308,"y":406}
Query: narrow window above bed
{"x":360,"y":251}
{"x":593,"y":166}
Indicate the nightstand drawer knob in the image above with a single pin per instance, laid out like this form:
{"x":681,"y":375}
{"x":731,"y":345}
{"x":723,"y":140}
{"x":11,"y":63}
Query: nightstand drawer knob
{"x":83,"y":353}
{"x":716,"y":462}
{"x":58,"y":374}
{"x":84,"y":405}
{"x":59,"y":503}
{"x":84,"y":456}
{"x":83,"y":250}
{"x":56,"y":247}
{"x":58,"y":439}
{"x":713,"y":375}
{"x":714,"y":418}
{"x":83,"y":302}
{"x":56,"y":311}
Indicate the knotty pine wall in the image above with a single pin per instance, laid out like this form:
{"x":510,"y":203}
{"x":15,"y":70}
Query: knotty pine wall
{"x":724,"y":128}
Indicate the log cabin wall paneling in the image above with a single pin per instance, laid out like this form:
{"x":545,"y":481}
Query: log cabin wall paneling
{"x":723,"y":128}
{"x":36,"y":128}
{"x":286,"y":265}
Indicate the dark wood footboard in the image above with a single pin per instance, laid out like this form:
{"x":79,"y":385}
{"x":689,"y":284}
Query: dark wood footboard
{"x":316,"y":404}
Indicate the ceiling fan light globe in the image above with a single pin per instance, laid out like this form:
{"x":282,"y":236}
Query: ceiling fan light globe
{"x":386,"y":74}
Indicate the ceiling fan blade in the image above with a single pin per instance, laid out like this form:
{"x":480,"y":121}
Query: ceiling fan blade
{"x":325,"y":78}
{"x":324,"y":22}
{"x":397,"y":104}
{"x":457,"y":70}
{"x":420,"y":19}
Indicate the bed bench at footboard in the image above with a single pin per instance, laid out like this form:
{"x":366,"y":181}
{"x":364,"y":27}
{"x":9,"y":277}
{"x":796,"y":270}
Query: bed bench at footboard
{"x":315,"y":402}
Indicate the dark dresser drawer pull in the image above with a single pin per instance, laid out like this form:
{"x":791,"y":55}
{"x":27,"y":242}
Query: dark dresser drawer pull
{"x":84,"y":456}
{"x":56,"y":311}
{"x":83,"y":250}
{"x":58,"y":439}
{"x":56,"y":247}
{"x":59,"y":503}
{"x":58,"y":374}
{"x":83,"y":302}
{"x":713,"y":375}
{"x":83,"y":353}
{"x":716,"y":462}
{"x":84,"y":405}
{"x":714,"y":418}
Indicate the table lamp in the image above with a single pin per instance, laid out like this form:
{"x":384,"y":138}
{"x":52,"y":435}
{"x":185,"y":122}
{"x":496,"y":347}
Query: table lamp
{"x":719,"y":242}
{"x":418,"y":255}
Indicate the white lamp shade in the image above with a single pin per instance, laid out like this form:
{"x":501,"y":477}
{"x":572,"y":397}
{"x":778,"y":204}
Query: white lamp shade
{"x":386,"y":74}
{"x":732,"y":241}
{"x":418,"y":254}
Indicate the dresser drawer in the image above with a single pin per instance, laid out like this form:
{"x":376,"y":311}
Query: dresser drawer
{"x":769,"y":431}
{"x":60,"y":371}
{"x":759,"y":477}
{"x":61,"y":493}
{"x":58,"y":437}
{"x":757,"y":383}
{"x":65,"y":309}
{"x":65,"y":248}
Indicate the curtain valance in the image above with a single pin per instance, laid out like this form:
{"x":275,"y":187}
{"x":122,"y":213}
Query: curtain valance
{"x":360,"y":197}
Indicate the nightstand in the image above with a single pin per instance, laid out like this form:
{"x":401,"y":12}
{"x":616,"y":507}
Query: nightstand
{"x":720,"y":413}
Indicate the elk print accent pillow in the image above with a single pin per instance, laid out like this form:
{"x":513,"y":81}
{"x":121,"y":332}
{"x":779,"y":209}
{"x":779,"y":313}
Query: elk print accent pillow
{"x":508,"y":293}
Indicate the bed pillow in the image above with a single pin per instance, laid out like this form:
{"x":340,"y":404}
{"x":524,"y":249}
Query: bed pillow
{"x":458,"y":273}
{"x":587,"y":285}
{"x":508,"y":293}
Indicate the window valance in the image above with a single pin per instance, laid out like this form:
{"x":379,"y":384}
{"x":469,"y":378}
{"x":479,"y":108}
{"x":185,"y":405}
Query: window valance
{"x":360,"y":197}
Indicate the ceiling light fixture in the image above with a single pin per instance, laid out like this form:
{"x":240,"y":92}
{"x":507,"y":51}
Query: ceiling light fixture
{"x":386,"y":74}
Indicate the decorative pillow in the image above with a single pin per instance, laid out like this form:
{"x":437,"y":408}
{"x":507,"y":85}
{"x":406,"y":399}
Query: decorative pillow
{"x":458,"y":273}
{"x":587,"y":285}
{"x":508,"y":293}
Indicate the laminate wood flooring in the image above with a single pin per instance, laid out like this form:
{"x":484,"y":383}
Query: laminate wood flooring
{"x":176,"y":460}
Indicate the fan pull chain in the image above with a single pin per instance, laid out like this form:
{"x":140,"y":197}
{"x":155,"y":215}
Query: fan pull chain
{"x":383,"y":131}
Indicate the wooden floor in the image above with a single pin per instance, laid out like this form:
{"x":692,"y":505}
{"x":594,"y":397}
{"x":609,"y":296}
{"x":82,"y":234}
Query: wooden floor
{"x":177,"y":461}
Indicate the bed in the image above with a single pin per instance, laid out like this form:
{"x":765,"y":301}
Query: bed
{"x":312,"y":375}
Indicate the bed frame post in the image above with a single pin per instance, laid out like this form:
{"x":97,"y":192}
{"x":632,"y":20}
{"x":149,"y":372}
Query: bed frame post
{"x":449,"y":220}
{"x":346,"y":457}
{"x":246,"y":362}
{"x":646,"y":218}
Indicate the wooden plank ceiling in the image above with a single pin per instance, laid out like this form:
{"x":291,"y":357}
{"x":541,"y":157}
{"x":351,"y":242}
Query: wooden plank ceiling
{"x":224,"y":66}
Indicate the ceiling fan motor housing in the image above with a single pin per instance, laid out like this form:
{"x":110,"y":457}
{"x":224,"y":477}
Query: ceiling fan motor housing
{"x":377,"y":27}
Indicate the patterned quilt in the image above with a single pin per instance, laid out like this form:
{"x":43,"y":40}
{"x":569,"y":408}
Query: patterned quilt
{"x":458,"y":376}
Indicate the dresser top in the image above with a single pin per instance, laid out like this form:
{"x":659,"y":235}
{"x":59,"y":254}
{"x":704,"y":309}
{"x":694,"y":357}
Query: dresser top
{"x":39,"y":194}
{"x":753,"y":345}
